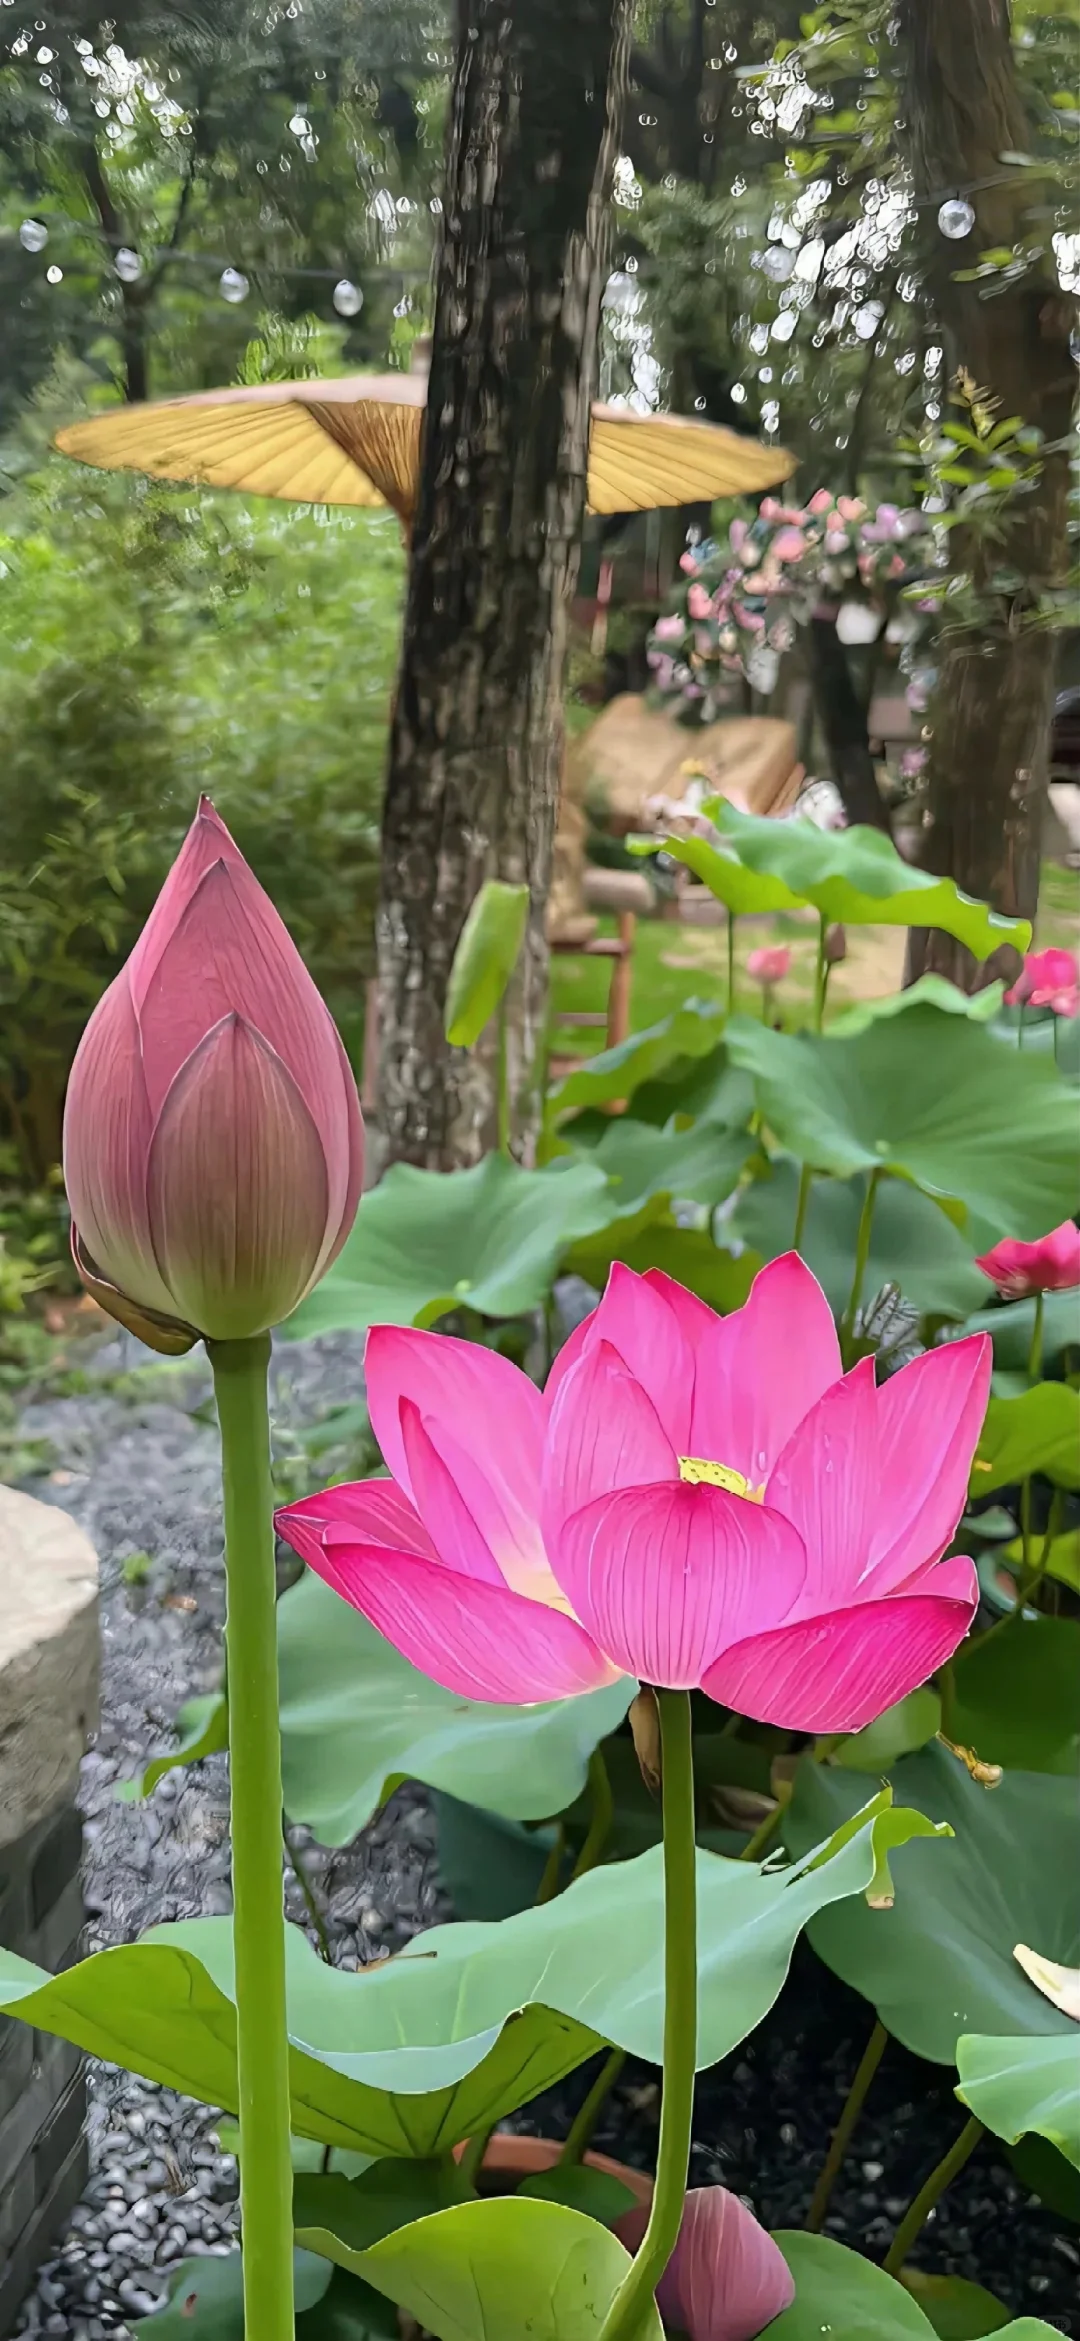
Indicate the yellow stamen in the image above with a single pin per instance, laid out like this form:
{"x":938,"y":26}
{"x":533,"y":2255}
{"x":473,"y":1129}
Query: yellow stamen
{"x":699,"y":1472}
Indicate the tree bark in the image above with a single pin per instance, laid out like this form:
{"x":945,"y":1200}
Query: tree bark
{"x":843,"y":719}
{"x":991,"y":713}
{"x":477,"y":735}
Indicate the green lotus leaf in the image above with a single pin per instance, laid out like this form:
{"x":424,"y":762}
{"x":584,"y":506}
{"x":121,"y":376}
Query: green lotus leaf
{"x":206,"y":2298}
{"x":203,"y":1725}
{"x":356,"y":1718}
{"x":514,"y":2267}
{"x":1016,"y":1695}
{"x":690,"y":1031}
{"x":491,"y":1238}
{"x":689,"y":1254}
{"x":1061,"y":1560}
{"x":931,"y":991}
{"x":845,"y":2296}
{"x":930,"y":1098}
{"x":957,"y":2310}
{"x":419,"y":2051}
{"x":1020,"y":2086}
{"x":913,"y":1244}
{"x":941,"y":1963}
{"x":1011,"y":1326}
{"x":485,"y":959}
{"x":856,"y":876}
{"x":1037,"y":1431}
{"x":698,"y":1165}
{"x":909,"y":1725}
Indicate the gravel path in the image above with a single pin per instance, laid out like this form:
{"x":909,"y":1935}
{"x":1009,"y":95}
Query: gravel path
{"x":139,"y":1470}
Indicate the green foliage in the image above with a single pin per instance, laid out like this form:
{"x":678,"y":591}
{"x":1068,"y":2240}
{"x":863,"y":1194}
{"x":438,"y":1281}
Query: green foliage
{"x":1019,"y":2086}
{"x":156,"y":645}
{"x":485,"y":959}
{"x":913,"y":1243}
{"x":927,"y":1097}
{"x":490,"y":1238}
{"x":203,"y":1726}
{"x":840,"y":2294}
{"x":1016,"y":1695}
{"x":941,"y":1963}
{"x":471,"y":2020}
{"x":525,"y":2270}
{"x":1039,"y":1430}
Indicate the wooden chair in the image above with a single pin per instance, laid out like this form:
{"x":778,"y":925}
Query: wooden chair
{"x":614,"y":1020}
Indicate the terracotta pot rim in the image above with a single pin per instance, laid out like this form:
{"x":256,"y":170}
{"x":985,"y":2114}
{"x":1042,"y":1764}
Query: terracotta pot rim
{"x":510,"y":2151}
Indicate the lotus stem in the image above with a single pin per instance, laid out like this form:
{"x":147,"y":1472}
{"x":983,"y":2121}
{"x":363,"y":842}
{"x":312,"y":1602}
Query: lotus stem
{"x":627,"y":2312}
{"x":803,"y":1204}
{"x":1032,"y":1576}
{"x":472,"y":2160}
{"x":503,"y":1081}
{"x":311,"y":1899}
{"x":549,"y":1883}
{"x":841,"y":2137}
{"x":821,"y":975}
{"x":262,"y":2048}
{"x":730,"y":962}
{"x":918,"y":2212}
{"x":763,"y":1834}
{"x":603,"y":1814}
{"x":862,"y":1255}
{"x":579,"y":2134}
{"x":1035,"y":1353}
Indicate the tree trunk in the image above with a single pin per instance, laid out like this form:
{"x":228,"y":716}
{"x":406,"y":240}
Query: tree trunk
{"x":843,"y":720}
{"x":991,"y":713}
{"x":477,"y":736}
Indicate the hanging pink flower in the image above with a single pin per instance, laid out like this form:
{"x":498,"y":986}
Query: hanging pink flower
{"x":821,"y":501}
{"x":1044,"y":976}
{"x":672,"y":629}
{"x":770,"y":964}
{"x":737,"y":534}
{"x":698,"y":1501}
{"x":726,"y":2278}
{"x":699,"y":602}
{"x":688,"y":563}
{"x":835,"y":541}
{"x":770,"y":509}
{"x":1051,"y":1265}
{"x":213,"y":1147}
{"x":851,"y":507}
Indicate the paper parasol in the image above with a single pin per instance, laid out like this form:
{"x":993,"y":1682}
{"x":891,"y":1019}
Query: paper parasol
{"x":355,"y":439}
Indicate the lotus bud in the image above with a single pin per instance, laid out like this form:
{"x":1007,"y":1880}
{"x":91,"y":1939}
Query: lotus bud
{"x":835,"y":946}
{"x":213,"y":1146}
{"x":726,"y":2279}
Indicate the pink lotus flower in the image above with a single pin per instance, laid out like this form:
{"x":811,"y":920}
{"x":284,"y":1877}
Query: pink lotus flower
{"x":1044,"y":977}
{"x":213,"y":1147}
{"x":769,"y":965}
{"x":726,"y":2278}
{"x":1051,"y":1265}
{"x":699,"y":602}
{"x":694,"y":1500}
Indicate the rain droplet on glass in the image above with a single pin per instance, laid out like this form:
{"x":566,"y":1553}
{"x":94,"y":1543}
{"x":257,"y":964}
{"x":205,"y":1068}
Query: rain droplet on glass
{"x":128,"y":265}
{"x":779,"y":263}
{"x":347,"y":298}
{"x":956,"y":218}
{"x":33,"y":235}
{"x":54,"y":275}
{"x":233,"y":285}
{"x":300,"y":126}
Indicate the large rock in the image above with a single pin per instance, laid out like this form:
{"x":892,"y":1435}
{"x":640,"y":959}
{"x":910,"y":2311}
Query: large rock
{"x":49,"y":1656}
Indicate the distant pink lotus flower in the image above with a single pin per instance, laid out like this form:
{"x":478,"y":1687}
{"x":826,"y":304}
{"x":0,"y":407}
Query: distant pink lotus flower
{"x":699,"y":602}
{"x":694,"y":1500}
{"x":1051,"y":1265}
{"x":769,"y":965}
{"x":1045,"y":977}
{"x":213,"y":1146}
{"x":726,"y":2278}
